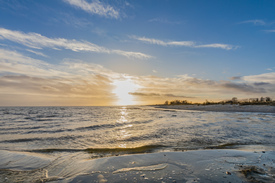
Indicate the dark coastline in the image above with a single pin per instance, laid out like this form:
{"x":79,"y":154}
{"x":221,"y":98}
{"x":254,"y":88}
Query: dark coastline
{"x":222,"y":108}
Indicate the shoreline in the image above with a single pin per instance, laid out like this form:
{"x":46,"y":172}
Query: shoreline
{"x":222,"y":108}
{"x":189,"y":166}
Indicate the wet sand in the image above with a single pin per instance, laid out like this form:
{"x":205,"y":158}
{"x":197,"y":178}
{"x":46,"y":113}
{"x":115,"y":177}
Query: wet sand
{"x":190,"y":166}
{"x":222,"y":108}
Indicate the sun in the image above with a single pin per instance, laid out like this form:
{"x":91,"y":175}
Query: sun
{"x":122,"y":90}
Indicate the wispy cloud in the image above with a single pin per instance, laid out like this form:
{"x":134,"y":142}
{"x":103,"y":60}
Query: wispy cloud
{"x":69,"y":19}
{"x":37,"y":53}
{"x":254,"y":22}
{"x":95,"y":7}
{"x":270,"y":30}
{"x":37,"y":41}
{"x":16,"y":63}
{"x":132,"y":54}
{"x":163,"y":43}
{"x":158,"y":95}
{"x":164,"y":21}
{"x":258,"y":22}
{"x":242,"y":87}
{"x":191,"y":44}
{"x":261,"y":83}
{"x":216,"y":45}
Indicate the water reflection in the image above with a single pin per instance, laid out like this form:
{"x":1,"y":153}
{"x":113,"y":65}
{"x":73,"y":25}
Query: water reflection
{"x":123,"y":131}
{"x":123,"y":115}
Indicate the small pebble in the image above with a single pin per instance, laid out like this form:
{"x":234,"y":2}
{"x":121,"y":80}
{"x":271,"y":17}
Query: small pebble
{"x":228,"y":173}
{"x":100,"y":176}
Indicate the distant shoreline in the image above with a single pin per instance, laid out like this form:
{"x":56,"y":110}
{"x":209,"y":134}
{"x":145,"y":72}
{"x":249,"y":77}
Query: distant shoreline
{"x":222,"y":108}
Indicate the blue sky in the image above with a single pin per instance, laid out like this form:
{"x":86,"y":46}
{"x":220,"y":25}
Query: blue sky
{"x":81,"y":52}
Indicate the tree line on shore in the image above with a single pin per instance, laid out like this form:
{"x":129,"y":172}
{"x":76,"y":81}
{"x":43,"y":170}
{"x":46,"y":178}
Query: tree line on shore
{"x":234,"y":100}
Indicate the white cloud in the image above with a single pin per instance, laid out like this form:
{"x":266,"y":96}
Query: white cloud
{"x":132,"y":54}
{"x":163,"y":43}
{"x":16,"y":63}
{"x":222,"y":46}
{"x":37,"y":53}
{"x":255,"y":22}
{"x":95,"y":7}
{"x":164,"y":20}
{"x":191,"y":44}
{"x":269,"y":30}
{"x":266,"y":77}
{"x":37,"y":41}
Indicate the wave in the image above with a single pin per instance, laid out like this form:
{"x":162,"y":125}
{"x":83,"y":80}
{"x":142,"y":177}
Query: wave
{"x":52,"y":128}
{"x":116,"y":151}
{"x":95,"y":127}
{"x":141,"y":149}
{"x":21,"y":140}
{"x":62,"y":138}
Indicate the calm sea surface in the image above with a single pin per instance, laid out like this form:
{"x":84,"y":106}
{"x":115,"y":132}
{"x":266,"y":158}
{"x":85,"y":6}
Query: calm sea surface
{"x":104,"y":130}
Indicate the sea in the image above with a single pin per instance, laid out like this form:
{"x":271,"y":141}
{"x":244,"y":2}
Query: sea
{"x":68,"y":133}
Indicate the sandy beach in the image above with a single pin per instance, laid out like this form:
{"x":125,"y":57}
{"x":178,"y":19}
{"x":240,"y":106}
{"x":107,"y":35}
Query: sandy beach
{"x":191,"y":166}
{"x":223,"y":108}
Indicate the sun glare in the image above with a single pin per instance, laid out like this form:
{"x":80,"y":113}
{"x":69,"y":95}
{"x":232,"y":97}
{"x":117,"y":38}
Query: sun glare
{"x":123,"y":90}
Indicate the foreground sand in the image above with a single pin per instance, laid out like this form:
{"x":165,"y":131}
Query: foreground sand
{"x":191,"y":166}
{"x":223,"y":108}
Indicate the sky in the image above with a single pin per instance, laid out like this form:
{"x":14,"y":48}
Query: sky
{"x":126,"y":52}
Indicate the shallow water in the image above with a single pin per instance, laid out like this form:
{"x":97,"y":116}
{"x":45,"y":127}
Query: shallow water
{"x":65,"y":135}
{"x":95,"y":129}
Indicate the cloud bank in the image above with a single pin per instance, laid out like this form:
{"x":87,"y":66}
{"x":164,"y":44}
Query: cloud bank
{"x":34,"y":82}
{"x":28,"y":81}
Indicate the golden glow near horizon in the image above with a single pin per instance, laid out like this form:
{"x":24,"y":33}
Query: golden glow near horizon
{"x":122,"y":90}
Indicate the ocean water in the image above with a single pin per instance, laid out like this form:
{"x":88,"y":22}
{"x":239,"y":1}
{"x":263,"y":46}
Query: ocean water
{"x":49,"y":129}
{"x":65,"y":134}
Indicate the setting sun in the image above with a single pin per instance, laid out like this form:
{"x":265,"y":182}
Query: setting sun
{"x":123,"y":90}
